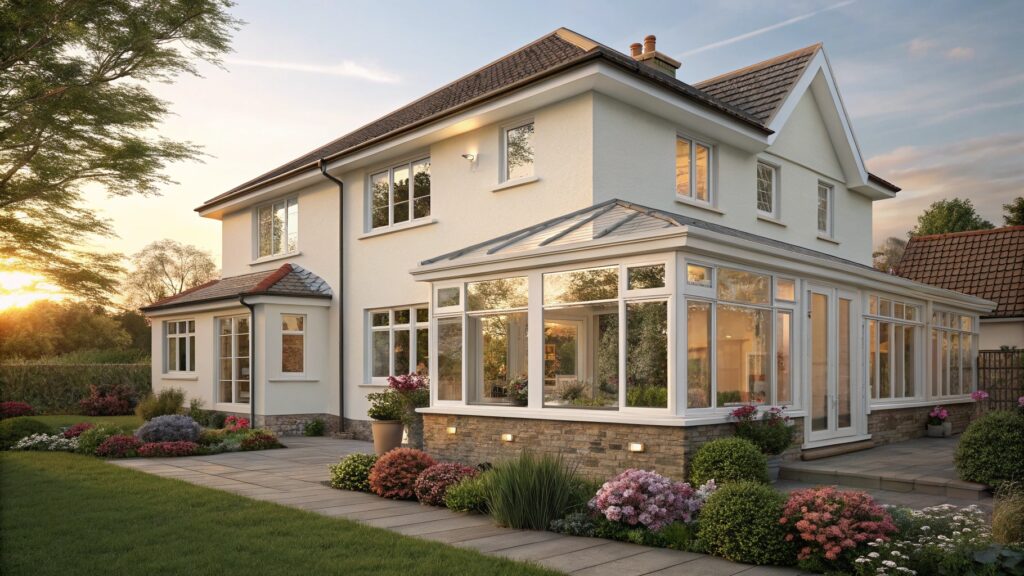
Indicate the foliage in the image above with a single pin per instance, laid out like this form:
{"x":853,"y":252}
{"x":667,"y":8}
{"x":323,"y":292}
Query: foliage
{"x":385,"y":405}
{"x":829,"y":525}
{"x":164,"y":268}
{"x":112,"y":400}
{"x":574,"y":524}
{"x":647,"y":396}
{"x":677,"y":536}
{"x":953,"y":215}
{"x":353,"y":472}
{"x":59,"y":388}
{"x":647,"y":354}
{"x":259,"y":439}
{"x":433,"y":483}
{"x":530,"y":491}
{"x":649,"y":499}
{"x":14,"y":409}
{"x":468,"y":495}
{"x":90,"y":440}
{"x":119,"y":446}
{"x":76,"y":430}
{"x":14,"y":429}
{"x":1008,"y":515}
{"x":52,"y":443}
{"x":394,"y":474}
{"x":991,"y":450}
{"x":740,"y":522}
{"x":728,"y":460}
{"x":888,"y":254}
{"x":176,"y":448}
{"x":47,"y":328}
{"x":772,"y":433}
{"x":1013,"y":213}
{"x":169,"y":428}
{"x":209,"y":437}
{"x":314,"y":427}
{"x":168,"y":401}
{"x":235,"y":423}
{"x":197,"y":412}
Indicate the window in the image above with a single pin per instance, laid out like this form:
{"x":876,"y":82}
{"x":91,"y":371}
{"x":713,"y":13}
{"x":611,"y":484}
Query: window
{"x":825,"y":193}
{"x":448,"y":297}
{"x":699,"y":276}
{"x":645,"y":277}
{"x":785,"y":289}
{"x":954,"y":343}
{"x":293,"y":343}
{"x":742,"y":286}
{"x":647,"y":354}
{"x":398,"y":342}
{"x":698,"y":354}
{"x":278,"y":228}
{"x":693,"y":170}
{"x":400,"y":194}
{"x":893,"y":332}
{"x":517,"y":152}
{"x":767,"y":185}
{"x":449,"y":358}
{"x":496,"y":340}
{"x":233,"y":371}
{"x":181,"y":345}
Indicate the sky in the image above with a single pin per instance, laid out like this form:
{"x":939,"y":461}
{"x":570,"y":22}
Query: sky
{"x":935,"y":89}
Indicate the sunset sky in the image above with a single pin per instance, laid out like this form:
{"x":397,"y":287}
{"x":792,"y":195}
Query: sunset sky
{"x":935,"y":89}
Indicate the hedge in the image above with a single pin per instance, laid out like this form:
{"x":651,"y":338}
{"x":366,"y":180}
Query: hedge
{"x":57,"y":388}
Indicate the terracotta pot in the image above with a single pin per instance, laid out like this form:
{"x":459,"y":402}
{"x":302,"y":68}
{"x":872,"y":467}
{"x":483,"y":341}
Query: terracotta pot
{"x":387,"y":435}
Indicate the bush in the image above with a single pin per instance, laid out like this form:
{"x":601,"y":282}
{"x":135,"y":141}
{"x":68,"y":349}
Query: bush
{"x":76,"y":430}
{"x":59,"y":388}
{"x":772,"y":433}
{"x":574,"y":524}
{"x":210,"y":437}
{"x":119,"y":446}
{"x":14,"y":409}
{"x":649,"y":499}
{"x":387,"y":405}
{"x":259,"y":440}
{"x":236,"y":423}
{"x":314,"y":427}
{"x":116,"y":400}
{"x":991,"y":450}
{"x":90,"y":440}
{"x":728,"y":460}
{"x":468,"y":495}
{"x":56,"y":442}
{"x":1008,"y":515}
{"x":170,"y":428}
{"x":353,"y":472}
{"x":394,"y":474}
{"x":530,"y":491}
{"x":433,"y":483}
{"x":217,"y":419}
{"x":828,"y":526}
{"x":15,"y":429}
{"x":167,"y":402}
{"x":177,"y":448}
{"x":740,"y":522}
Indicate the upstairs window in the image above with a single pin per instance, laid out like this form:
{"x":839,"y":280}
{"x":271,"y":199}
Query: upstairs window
{"x":517,"y":152}
{"x":767,"y":186}
{"x":400,"y":194}
{"x":824,"y":209}
{"x":693,"y":170}
{"x":278,"y":228}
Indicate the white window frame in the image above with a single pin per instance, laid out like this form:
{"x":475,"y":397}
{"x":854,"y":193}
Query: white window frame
{"x":301,"y":333}
{"x":691,"y":197}
{"x":287,"y":201}
{"x":921,"y":343}
{"x":830,"y":199}
{"x":776,"y":186}
{"x":234,"y":357}
{"x":412,"y":327}
{"x":503,"y":152}
{"x":943,"y":330}
{"x":186,"y":338}
{"x":390,"y":171}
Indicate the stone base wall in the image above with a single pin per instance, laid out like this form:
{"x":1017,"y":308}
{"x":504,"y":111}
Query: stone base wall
{"x":899,"y":424}
{"x":360,"y":429}
{"x":291,"y":424}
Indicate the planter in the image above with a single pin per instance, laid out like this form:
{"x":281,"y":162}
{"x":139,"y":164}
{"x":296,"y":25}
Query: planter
{"x":943,"y":430}
{"x":387,"y":435}
{"x":774,"y":465}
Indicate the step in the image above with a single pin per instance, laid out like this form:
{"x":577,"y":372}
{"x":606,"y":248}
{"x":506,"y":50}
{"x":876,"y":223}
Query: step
{"x":836,"y":450}
{"x":821,"y":473}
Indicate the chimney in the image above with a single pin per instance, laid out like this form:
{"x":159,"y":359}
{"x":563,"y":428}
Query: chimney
{"x":651,"y":57}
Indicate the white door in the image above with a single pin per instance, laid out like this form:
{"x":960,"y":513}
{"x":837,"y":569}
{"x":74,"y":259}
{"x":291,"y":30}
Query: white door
{"x":834,"y":407}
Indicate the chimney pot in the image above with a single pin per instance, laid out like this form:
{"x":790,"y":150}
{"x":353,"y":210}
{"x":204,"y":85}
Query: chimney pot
{"x":649,"y":41}
{"x":635,"y":49}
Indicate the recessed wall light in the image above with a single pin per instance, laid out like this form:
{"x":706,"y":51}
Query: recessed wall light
{"x":507,"y":437}
{"x":636,"y":447}
{"x":451,"y":430}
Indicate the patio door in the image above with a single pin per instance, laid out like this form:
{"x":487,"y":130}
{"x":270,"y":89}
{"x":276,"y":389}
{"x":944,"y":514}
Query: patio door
{"x":834,"y":411}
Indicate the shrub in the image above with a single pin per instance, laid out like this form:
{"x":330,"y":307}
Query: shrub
{"x":394,"y":474}
{"x":168,"y":401}
{"x":433,"y":482}
{"x":115,"y":400}
{"x":217,"y":419}
{"x":169,"y":428}
{"x":210,"y":437}
{"x":574,"y":524}
{"x":772,"y":433}
{"x":197,"y":413}
{"x":530,"y":491}
{"x":387,"y":405}
{"x":649,"y":499}
{"x":15,"y":429}
{"x":259,"y":440}
{"x":828,"y":526}
{"x":56,"y":442}
{"x":177,"y":448}
{"x":991,"y":450}
{"x":119,"y":446}
{"x":740,"y":522}
{"x":14,"y":409}
{"x":468,"y":495}
{"x":353,"y":472}
{"x":314,"y":427}
{"x":76,"y":430}
{"x":90,"y":440}
{"x":728,"y":460}
{"x":236,"y":423}
{"x":1008,"y":515}
{"x":52,"y":388}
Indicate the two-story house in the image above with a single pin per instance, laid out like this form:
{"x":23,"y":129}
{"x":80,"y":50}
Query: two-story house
{"x":586,"y":255}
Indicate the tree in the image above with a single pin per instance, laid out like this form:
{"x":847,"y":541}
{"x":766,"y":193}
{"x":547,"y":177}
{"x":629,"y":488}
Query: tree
{"x":954,"y":215}
{"x":48,"y":328}
{"x":1013,"y":213}
{"x":887,"y":255}
{"x":164,"y":268}
{"x":75,"y":111}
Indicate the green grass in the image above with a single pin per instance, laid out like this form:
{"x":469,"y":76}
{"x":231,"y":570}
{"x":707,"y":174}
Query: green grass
{"x":68,"y":514}
{"x":62,"y":420}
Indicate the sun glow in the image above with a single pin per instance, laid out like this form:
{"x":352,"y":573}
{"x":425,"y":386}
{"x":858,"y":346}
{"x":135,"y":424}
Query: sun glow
{"x":22,"y":288}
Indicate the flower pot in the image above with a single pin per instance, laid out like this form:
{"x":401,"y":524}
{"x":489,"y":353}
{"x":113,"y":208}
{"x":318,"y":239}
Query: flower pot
{"x":947,"y":428}
{"x":387,"y":435}
{"x":939,"y":430}
{"x":774,"y":465}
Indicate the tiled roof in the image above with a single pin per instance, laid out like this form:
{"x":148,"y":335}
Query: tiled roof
{"x":984,"y":263}
{"x":288,"y":280}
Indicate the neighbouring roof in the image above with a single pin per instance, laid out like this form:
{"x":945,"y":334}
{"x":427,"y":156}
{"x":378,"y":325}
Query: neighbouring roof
{"x":288,"y":280}
{"x":984,"y":263}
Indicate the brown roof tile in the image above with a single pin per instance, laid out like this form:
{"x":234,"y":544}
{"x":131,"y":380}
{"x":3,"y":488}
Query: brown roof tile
{"x":288,"y":280}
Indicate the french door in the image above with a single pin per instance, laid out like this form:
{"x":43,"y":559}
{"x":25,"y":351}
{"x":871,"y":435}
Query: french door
{"x":835,"y":407}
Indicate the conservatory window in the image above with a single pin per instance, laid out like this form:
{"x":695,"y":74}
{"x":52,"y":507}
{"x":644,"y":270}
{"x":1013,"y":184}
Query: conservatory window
{"x":893,"y":333}
{"x":496,"y":341}
{"x":954,"y":345}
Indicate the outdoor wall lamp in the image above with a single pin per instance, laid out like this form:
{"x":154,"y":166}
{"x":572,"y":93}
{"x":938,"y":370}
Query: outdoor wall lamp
{"x":507,"y":437}
{"x":470,"y":157}
{"x":636,"y":447}
{"x":450,"y":430}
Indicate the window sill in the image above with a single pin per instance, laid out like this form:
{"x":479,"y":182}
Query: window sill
{"x":514,"y":183}
{"x":771,"y":220}
{"x":699,"y":205}
{"x":373,"y":385}
{"x":179,"y":376}
{"x":275,"y":258}
{"x":919,"y":402}
{"x":232,"y":407}
{"x":828,"y":239}
{"x":398,"y":228}
{"x":632,"y":416}
{"x":286,"y":379}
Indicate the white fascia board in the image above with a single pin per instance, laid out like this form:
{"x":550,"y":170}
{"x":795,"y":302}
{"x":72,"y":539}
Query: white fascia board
{"x":290,"y":301}
{"x":186,"y":309}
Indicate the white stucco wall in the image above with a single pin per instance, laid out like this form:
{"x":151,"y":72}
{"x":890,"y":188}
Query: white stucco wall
{"x":998,"y":333}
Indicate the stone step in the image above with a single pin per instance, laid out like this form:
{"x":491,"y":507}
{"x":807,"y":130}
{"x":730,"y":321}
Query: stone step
{"x":821,"y":473}
{"x":836,"y":450}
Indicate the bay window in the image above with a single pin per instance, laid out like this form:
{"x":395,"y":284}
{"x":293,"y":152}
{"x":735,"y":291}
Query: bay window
{"x":893,"y":334}
{"x":399,"y":342}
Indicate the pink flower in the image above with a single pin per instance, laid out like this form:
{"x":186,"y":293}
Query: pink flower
{"x":832,"y":522}
{"x":979,"y":395}
{"x":649,"y":499}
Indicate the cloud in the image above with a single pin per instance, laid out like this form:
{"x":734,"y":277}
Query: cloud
{"x":920,"y":46}
{"x":960,"y":53}
{"x":347,"y":68}
{"x":765,"y":29}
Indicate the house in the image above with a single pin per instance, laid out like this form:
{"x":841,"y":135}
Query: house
{"x":984,"y":263}
{"x":586,"y":255}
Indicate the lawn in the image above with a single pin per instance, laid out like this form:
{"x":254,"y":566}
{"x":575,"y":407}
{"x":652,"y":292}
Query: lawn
{"x":69,"y":514}
{"x":62,"y":420}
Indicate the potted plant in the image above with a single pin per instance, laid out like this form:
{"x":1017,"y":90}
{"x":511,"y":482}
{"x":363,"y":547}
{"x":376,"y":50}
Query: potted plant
{"x":518,"y":391}
{"x":386,"y":410}
{"x":414,"y":391}
{"x":939,"y":425}
{"x":772,"y":433}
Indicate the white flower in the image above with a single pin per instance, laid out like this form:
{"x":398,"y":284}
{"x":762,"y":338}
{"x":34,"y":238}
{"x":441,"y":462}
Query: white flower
{"x":872,"y":554}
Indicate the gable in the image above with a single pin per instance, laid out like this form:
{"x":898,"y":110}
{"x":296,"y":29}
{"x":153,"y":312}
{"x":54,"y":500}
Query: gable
{"x":805,"y":139}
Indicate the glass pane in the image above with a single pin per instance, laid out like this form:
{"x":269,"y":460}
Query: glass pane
{"x":172,"y":354}
{"x":422,"y":315}
{"x":423,"y":351}
{"x":824,"y":193}
{"x":242,"y":343}
{"x":278,"y":225}
{"x":401,"y":352}
{"x":292,"y":354}
{"x":647,"y":354}
{"x":965,"y":323}
{"x":293,"y":225}
{"x":785,"y":289}
{"x":740,"y":286}
{"x":581,"y":285}
{"x":242,"y":366}
{"x":943,"y":367}
{"x":265,"y":231}
{"x":519,"y":152}
{"x":967,"y":361}
{"x":703,"y":173}
{"x":225,"y":347}
{"x":381,"y":347}
{"x":909,"y":361}
{"x":910,"y":313}
{"x":402,"y":316}
{"x":954,"y":364}
{"x":497,"y":294}
{"x":242,"y":325}
{"x":498,"y":359}
{"x":449,"y":358}
{"x":243,"y":391}
{"x":845,"y":412}
{"x":698,"y":354}
{"x":225,"y":369}
{"x":421,"y":179}
{"x":400,"y":185}
{"x":172,"y":327}
{"x":645,"y":277}
{"x":421,"y":207}
{"x":936,"y":365}
{"x":884,"y":364}
{"x":400,"y":212}
{"x":819,"y":362}
{"x":191,"y":353}
{"x":292,"y":322}
{"x":698,"y":275}
{"x":885,"y":308}
{"x":873,"y":305}
{"x":683,"y":167}
{"x":783,"y":358}
{"x":447,"y":297}
{"x":765,"y":187}
{"x":191,"y":326}
{"x":380,"y":191}
{"x":743,"y":363}
{"x":897,"y":310}
{"x":873,"y":357}
{"x":380,"y":217}
{"x":380,"y":319}
{"x":572,"y":377}
{"x":898,"y":364}
{"x":225,"y":394}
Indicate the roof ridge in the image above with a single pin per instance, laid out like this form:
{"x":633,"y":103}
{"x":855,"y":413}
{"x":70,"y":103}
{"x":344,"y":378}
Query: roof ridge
{"x":760,"y":65}
{"x":275,"y":277}
{"x":941,"y":235}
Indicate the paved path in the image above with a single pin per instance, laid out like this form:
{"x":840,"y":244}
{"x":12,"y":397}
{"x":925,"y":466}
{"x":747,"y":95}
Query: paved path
{"x":294,"y":477}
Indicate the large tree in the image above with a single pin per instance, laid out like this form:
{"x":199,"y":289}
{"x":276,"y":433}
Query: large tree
{"x":887,"y":255}
{"x":163,"y":268}
{"x":1013,"y":213}
{"x":954,"y":215}
{"x":75,"y":110}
